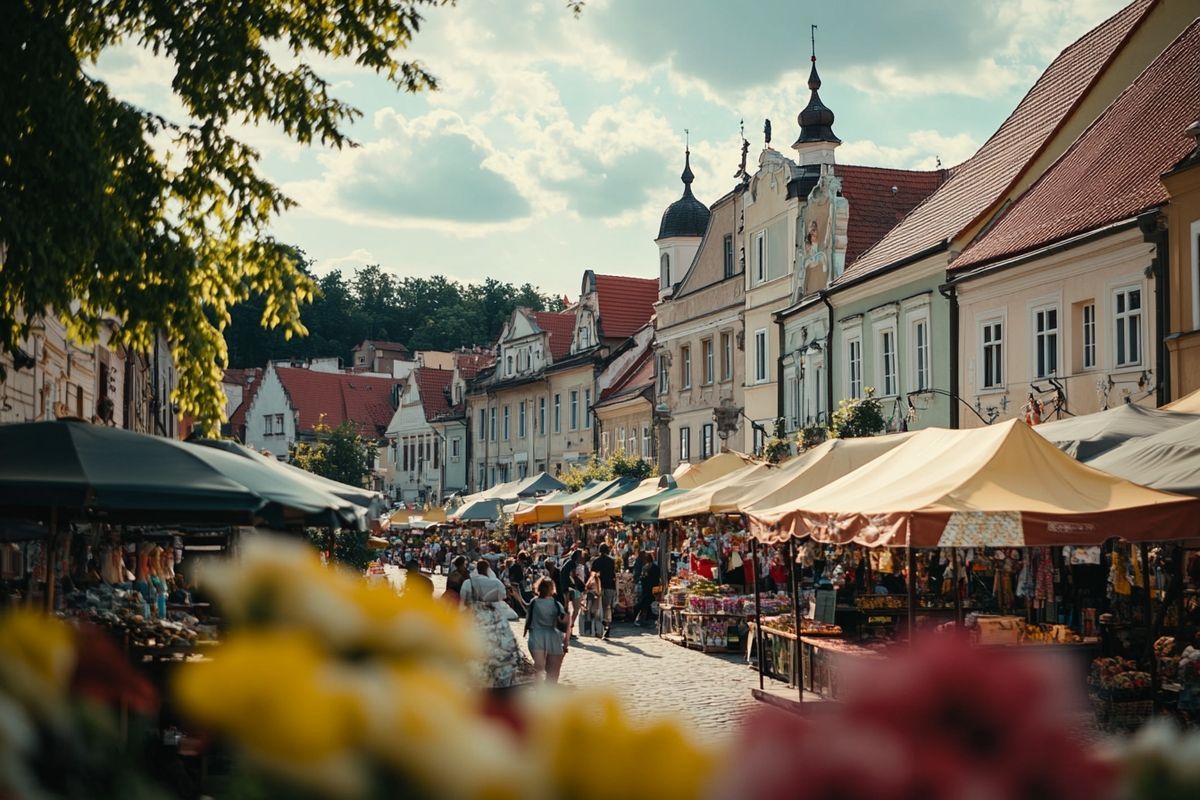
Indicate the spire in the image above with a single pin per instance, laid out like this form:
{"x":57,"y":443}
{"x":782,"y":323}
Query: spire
{"x":687,"y":177}
{"x":816,"y":120}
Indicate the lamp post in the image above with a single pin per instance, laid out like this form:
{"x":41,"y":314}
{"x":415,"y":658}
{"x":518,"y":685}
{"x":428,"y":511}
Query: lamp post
{"x":726,"y":418}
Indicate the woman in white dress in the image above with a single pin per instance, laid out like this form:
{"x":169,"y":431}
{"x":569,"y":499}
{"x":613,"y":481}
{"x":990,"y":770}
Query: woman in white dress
{"x":503,"y":663}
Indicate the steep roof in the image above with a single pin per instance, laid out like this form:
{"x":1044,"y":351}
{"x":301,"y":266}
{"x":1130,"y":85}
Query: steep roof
{"x":638,"y":376}
{"x":982,"y":179}
{"x":469,"y":364}
{"x":250,"y":379}
{"x":561,"y":327}
{"x":1111,"y":173}
{"x":433,"y":384}
{"x":339,"y":397}
{"x":874,"y":208}
{"x":626,"y":304}
{"x":382,"y":345}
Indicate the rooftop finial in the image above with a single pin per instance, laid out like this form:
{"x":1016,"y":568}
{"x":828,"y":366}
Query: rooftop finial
{"x":687,"y":177}
{"x":816,"y":120}
{"x":741,"y":173}
{"x":814,"y":80}
{"x":813,"y":34}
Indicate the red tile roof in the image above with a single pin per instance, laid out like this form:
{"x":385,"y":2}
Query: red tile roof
{"x":433,"y":385}
{"x":338,"y":397}
{"x":637,"y":376}
{"x":981,"y":180}
{"x":470,"y":364}
{"x":381,"y":345}
{"x":1111,"y":173}
{"x":626,"y":304}
{"x":874,"y":208}
{"x":250,"y":379}
{"x":561,"y":327}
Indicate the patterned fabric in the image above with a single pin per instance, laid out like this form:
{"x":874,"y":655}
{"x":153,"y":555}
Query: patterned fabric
{"x":983,"y":529}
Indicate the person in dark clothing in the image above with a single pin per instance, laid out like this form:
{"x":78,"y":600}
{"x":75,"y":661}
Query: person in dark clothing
{"x":570,"y":587}
{"x":456,"y":578}
{"x":606,"y":569}
{"x":648,"y":579}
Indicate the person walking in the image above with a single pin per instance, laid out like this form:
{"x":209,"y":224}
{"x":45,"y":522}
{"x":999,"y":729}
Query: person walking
{"x":457,"y":577}
{"x":547,"y":644}
{"x":502,"y":664}
{"x":415,"y":581}
{"x":570,"y":587}
{"x":648,"y":580}
{"x":604,"y":567}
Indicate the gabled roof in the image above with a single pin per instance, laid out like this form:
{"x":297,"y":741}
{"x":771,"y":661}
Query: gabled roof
{"x":981,"y":180}
{"x":469,"y":364}
{"x":626,"y":304}
{"x":1111,"y":173}
{"x":250,"y":379}
{"x":638,"y":376}
{"x":433,"y":385}
{"x":339,"y":397}
{"x":381,"y":345}
{"x":874,"y":208}
{"x":561,"y":327}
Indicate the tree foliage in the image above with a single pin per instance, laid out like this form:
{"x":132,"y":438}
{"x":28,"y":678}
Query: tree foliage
{"x":111,"y":210}
{"x":423,"y":313}
{"x":617,"y":465}
{"x":858,"y":417}
{"x":779,"y":446}
{"x":339,"y":454}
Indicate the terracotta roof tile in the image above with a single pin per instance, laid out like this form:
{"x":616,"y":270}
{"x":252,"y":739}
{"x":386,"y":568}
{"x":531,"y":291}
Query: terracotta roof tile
{"x":874,"y":208}
{"x":1111,"y":172}
{"x":636,"y":377}
{"x":469,"y":364}
{"x":250,"y":379}
{"x":561,"y":327}
{"x":382,"y":345}
{"x":626,"y":304}
{"x":981,"y":180}
{"x":339,"y":396}
{"x":433,"y":385}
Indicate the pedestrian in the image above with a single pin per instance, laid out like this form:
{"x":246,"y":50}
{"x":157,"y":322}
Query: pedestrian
{"x":547,"y":643}
{"x":570,"y":589}
{"x":415,"y":581}
{"x":457,"y":577}
{"x":648,"y":580}
{"x":502,"y":663}
{"x":606,"y":568}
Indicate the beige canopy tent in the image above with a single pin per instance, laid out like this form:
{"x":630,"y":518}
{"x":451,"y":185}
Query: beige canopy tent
{"x":999,"y":486}
{"x":1189,"y":403}
{"x":689,"y":476}
{"x":609,"y":507}
{"x":717,"y":496}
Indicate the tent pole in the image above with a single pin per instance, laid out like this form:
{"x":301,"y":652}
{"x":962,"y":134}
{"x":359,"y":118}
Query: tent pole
{"x":1151,"y":624}
{"x":1180,"y":554}
{"x":958,"y":607}
{"x":758,"y":634}
{"x":797,"y":667}
{"x":912,"y":592}
{"x":51,"y":549}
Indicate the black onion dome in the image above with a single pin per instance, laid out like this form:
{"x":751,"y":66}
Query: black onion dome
{"x":687,"y":216}
{"x":816,"y":120}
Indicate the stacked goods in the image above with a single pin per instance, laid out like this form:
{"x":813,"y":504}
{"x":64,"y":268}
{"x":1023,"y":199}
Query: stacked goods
{"x":125,"y":615}
{"x":808,"y":627}
{"x":880,"y":602}
{"x":1121,"y":694}
{"x":1168,"y":662}
{"x":1189,"y":678}
{"x":771,"y":604}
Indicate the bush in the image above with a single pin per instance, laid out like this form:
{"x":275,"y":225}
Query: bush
{"x":858,"y":417}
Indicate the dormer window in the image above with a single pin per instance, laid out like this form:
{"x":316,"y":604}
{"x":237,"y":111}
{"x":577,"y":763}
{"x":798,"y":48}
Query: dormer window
{"x":585,"y":338}
{"x":508,"y":364}
{"x":664,"y":271}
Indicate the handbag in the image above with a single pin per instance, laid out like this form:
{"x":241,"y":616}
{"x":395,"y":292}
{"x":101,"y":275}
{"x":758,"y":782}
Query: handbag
{"x":563,"y":622}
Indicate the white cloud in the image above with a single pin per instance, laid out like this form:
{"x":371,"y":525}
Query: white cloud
{"x":921,"y":150}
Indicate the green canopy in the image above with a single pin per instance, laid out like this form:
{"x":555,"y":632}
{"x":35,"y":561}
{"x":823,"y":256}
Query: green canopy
{"x":647,"y":510}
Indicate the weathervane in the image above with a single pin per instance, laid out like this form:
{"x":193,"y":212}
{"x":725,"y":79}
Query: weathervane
{"x":741,"y":173}
{"x":813,"y":34}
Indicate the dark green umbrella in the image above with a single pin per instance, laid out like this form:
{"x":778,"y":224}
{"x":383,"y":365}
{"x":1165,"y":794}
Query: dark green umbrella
{"x":647,"y":510}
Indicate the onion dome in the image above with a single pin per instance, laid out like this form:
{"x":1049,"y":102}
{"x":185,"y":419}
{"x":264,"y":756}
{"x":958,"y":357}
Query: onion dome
{"x":687,"y":216}
{"x":816,"y":120}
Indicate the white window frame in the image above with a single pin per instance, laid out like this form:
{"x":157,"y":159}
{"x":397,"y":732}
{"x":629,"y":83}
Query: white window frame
{"x":709,"y":359}
{"x":492,"y":423}
{"x":1087,"y":334}
{"x":664,"y":374}
{"x":632,"y":448}
{"x":541,"y":416}
{"x":1119,"y":319}
{"x":920,"y":371}
{"x":760,"y":254}
{"x":1045,"y":343}
{"x":706,"y":440}
{"x":645,"y":441}
{"x":455,"y":448}
{"x":983,"y":326}
{"x":521,"y":420}
{"x":728,"y":265}
{"x":585,"y":337}
{"x":685,"y":443}
{"x":685,"y":367}
{"x":887,"y":375}
{"x":557,"y":413}
{"x":268,"y":424}
{"x":604,"y":452}
{"x":762,"y":356}
{"x":726,"y":356}
{"x":573,"y":409}
{"x":664,"y":271}
{"x":854,"y":363}
{"x":587,"y":409}
{"x":507,"y":420}
{"x":621,"y":437}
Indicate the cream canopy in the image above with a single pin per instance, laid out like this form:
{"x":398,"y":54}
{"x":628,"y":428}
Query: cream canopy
{"x":609,"y":507}
{"x":689,"y":476}
{"x":717,"y":496}
{"x":1189,"y":403}
{"x":999,"y":486}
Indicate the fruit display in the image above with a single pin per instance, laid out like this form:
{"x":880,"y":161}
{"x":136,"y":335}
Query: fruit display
{"x":808,"y":627}
{"x":1119,"y":676}
{"x":1168,"y":662}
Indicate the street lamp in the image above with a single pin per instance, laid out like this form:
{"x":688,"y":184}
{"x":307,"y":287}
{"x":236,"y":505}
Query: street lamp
{"x":726,"y":418}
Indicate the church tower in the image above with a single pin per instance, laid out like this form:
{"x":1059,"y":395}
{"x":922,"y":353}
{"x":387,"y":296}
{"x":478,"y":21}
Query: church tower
{"x":680,"y":231}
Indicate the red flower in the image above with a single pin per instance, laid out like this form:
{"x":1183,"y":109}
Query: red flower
{"x":103,"y":673}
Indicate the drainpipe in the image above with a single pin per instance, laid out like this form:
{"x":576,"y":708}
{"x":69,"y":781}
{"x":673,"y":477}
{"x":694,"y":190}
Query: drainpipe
{"x":950,"y":292}
{"x":1154,"y":231}
{"x":781,"y":413}
{"x":828,"y":359}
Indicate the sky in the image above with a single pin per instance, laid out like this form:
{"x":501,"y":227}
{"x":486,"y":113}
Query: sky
{"x":555,"y":141}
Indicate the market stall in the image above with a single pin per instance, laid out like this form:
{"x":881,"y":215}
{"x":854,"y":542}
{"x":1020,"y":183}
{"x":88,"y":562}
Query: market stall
{"x":690,"y":475}
{"x":1169,"y":460}
{"x":1088,"y":436}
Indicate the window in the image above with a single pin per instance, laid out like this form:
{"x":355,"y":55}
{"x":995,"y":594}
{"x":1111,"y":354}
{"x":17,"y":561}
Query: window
{"x":268,"y":424}
{"x":541,"y":416}
{"x":664,"y":377}
{"x":664,"y":271}
{"x":726,"y":356}
{"x":920,"y":353}
{"x":404,"y":450}
{"x":706,"y":348}
{"x":574,"y":409}
{"x":482,"y":424}
{"x":521,"y":420}
{"x":631,"y":449}
{"x":278,"y":417}
{"x":522,"y":470}
{"x":585,"y":337}
{"x":760,"y":439}
{"x":508,"y":364}
{"x":706,"y":440}
{"x":492,"y":423}
{"x":506,"y":417}
{"x":886,"y":340}
{"x":1127,"y":319}
{"x":685,"y":369}
{"x":604,"y":444}
{"x":482,"y":478}
{"x":759,"y":254}
{"x":992,"y":340}
{"x":455,"y":448}
{"x":1088,"y":322}
{"x":557,"y":413}
{"x":646,"y":441}
{"x":854,"y":385}
{"x":587,"y":408}
{"x":435,"y":444}
{"x":685,"y":443}
{"x":729,"y":255}
{"x":1045,"y":341}
{"x":621,"y":438}
{"x":761,"y":355}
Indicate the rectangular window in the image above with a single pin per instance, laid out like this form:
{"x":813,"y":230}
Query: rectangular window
{"x":604,"y":444}
{"x":726,"y":356}
{"x":646,"y":441}
{"x":521,"y":420}
{"x":508,"y":362}
{"x":587,"y":408}
{"x":1089,"y":335}
{"x":664,"y":376}
{"x":268,"y":424}
{"x":482,"y":424}
{"x":541,"y":416}
{"x":574,"y":409}
{"x":492,"y":423}
{"x":992,"y":340}
{"x":621,"y":438}
{"x":685,"y":368}
{"x":706,"y":440}
{"x":1045,"y":341}
{"x":685,"y":443}
{"x":632,"y":447}
{"x":760,"y":257}
{"x":506,"y":418}
{"x":482,"y":479}
{"x":760,"y":440}
{"x":854,"y":383}
{"x":761,"y":355}
{"x":436,"y":445}
{"x":706,"y":348}
{"x":728,"y":255}
{"x":404,"y":450}
{"x":887,"y":362}
{"x":1127,"y":319}
{"x":456,"y":448}
{"x":558,"y":413}
{"x":920,"y":332}
{"x":278,"y":419}
{"x":585,"y":337}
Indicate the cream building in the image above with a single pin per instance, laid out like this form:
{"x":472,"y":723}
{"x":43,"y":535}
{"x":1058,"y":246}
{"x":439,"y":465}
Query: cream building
{"x":1183,"y":240}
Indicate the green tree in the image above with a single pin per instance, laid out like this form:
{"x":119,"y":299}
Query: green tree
{"x":858,"y":417}
{"x":339,"y":454}
{"x":107,"y":208}
{"x":779,"y":446}
{"x":617,"y":465}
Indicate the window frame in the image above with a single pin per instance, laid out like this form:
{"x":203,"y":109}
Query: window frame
{"x":685,"y":367}
{"x":1088,"y":339}
{"x":727,"y":256}
{"x":645,"y":441}
{"x":558,"y":412}
{"x":482,"y":424}
{"x":762,"y":356}
{"x":1046,"y":343}
{"x":758,"y":243}
{"x":573,"y":409}
{"x":587,"y":408}
{"x":706,"y":440}
{"x":726,"y":356}
{"x":887,"y":372}
{"x":983,"y":326}
{"x":708,"y":367}
{"x":521,"y":430}
{"x":507,"y":424}
{"x":685,"y":443}
{"x":492,"y":423}
{"x":664,"y":374}
{"x":664,"y":271}
{"x":854,"y":365}
{"x":1118,"y":327}
{"x":920,"y":372}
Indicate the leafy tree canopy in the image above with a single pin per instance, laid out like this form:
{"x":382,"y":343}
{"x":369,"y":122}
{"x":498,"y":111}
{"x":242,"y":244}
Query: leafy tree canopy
{"x":339,"y":454}
{"x":110,"y":209}
{"x":858,"y":417}
{"x":617,"y":465}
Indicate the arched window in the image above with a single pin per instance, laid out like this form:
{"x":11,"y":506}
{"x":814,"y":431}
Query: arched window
{"x":664,"y":271}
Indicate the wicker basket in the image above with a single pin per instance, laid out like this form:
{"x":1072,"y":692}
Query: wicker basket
{"x":1121,"y":709}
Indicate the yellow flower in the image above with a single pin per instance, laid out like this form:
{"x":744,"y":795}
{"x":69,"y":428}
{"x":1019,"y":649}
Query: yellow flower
{"x":37,"y":657}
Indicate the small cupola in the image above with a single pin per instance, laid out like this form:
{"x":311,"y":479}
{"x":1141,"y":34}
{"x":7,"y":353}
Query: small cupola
{"x":817,"y":139}
{"x":687,"y":216}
